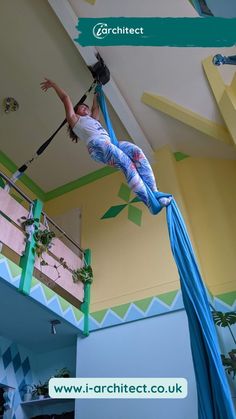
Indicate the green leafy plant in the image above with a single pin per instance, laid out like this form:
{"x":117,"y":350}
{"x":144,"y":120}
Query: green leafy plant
{"x":43,"y":239}
{"x":44,"y":242}
{"x":227,"y":320}
{"x":84,"y":275}
{"x":230,"y":362}
{"x":62,"y":373}
{"x":40,"y":389}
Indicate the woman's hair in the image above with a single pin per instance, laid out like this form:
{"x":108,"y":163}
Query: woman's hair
{"x":70,"y":131}
{"x":72,"y":135}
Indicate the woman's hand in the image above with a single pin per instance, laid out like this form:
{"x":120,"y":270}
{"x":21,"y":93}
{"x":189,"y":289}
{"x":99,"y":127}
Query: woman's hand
{"x":47,"y":84}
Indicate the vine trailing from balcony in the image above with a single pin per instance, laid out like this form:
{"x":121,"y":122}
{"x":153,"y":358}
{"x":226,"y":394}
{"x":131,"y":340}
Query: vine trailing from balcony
{"x":43,"y":244}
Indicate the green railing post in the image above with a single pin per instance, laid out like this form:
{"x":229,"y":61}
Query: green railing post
{"x":85,"y":305}
{"x":28,"y":259}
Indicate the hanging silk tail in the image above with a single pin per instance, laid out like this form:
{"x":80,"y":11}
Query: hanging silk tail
{"x":214,"y":399}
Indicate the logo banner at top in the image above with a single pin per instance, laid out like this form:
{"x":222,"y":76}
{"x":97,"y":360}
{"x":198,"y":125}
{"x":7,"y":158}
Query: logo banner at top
{"x":156,"y":31}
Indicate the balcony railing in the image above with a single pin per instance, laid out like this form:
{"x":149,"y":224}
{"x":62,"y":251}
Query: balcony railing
{"x":14,"y":240}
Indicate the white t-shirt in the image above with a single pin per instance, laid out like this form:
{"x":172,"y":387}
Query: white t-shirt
{"x":88,"y":128}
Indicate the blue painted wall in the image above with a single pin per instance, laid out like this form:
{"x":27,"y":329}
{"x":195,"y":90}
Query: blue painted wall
{"x":156,"y":347}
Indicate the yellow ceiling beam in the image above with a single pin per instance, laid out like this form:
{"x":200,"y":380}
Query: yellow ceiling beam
{"x":225,"y":96}
{"x":187,"y":116}
{"x":233,"y":84}
{"x":214,"y":78}
{"x":91,"y":1}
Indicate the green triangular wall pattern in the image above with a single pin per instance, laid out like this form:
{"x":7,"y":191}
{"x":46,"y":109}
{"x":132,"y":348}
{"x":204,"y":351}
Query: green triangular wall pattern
{"x":14,"y":269}
{"x":228,"y":297}
{"x":144,"y":304}
{"x":168,"y":297}
{"x":99,"y":315}
{"x":121,"y":310}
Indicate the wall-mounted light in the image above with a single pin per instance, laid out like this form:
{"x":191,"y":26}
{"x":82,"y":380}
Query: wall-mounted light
{"x":54,"y":323}
{"x":10,"y":104}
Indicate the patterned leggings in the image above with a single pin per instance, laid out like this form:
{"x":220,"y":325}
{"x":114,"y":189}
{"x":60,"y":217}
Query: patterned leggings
{"x":130,"y":159}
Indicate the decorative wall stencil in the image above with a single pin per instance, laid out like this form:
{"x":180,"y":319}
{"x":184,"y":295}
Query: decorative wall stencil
{"x":154,"y":306}
{"x":134,"y":213}
{"x":15,"y":372}
{"x":114,"y":316}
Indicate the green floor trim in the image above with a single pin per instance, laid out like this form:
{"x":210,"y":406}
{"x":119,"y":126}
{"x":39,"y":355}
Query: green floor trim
{"x":29,"y":183}
{"x":78,"y":183}
{"x":228,"y":297}
{"x":180,"y":156}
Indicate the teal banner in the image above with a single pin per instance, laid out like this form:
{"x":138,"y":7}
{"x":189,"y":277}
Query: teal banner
{"x":156,"y":31}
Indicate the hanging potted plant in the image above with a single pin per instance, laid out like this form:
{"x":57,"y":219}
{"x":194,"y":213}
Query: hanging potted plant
{"x":40,"y":391}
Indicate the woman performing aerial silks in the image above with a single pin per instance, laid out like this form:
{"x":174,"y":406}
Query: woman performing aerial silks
{"x":130,"y":159}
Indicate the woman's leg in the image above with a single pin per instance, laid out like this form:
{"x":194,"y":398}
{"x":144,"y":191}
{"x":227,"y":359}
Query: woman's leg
{"x":102,"y":150}
{"x":141,"y":163}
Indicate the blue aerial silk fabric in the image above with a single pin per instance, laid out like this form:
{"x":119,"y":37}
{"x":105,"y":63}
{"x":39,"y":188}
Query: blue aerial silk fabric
{"x":214,"y":398}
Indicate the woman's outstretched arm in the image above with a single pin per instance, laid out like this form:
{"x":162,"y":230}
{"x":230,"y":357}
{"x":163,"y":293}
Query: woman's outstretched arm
{"x":71,"y":116}
{"x":95,"y":107}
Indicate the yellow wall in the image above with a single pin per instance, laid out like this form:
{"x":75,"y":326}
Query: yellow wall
{"x":132,"y":262}
{"x":209,"y":191}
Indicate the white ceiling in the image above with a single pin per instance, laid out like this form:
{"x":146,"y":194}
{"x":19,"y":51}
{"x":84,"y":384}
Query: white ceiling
{"x":34,"y":45}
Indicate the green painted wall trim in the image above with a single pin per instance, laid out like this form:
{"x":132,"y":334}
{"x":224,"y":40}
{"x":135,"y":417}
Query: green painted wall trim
{"x":68,"y":187}
{"x":28,"y":259}
{"x":180,"y":156}
{"x":29,"y":183}
{"x":78,"y":183}
{"x":143,"y":305}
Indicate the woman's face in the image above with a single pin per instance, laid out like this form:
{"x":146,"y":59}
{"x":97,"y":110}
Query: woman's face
{"x":83,"y":110}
